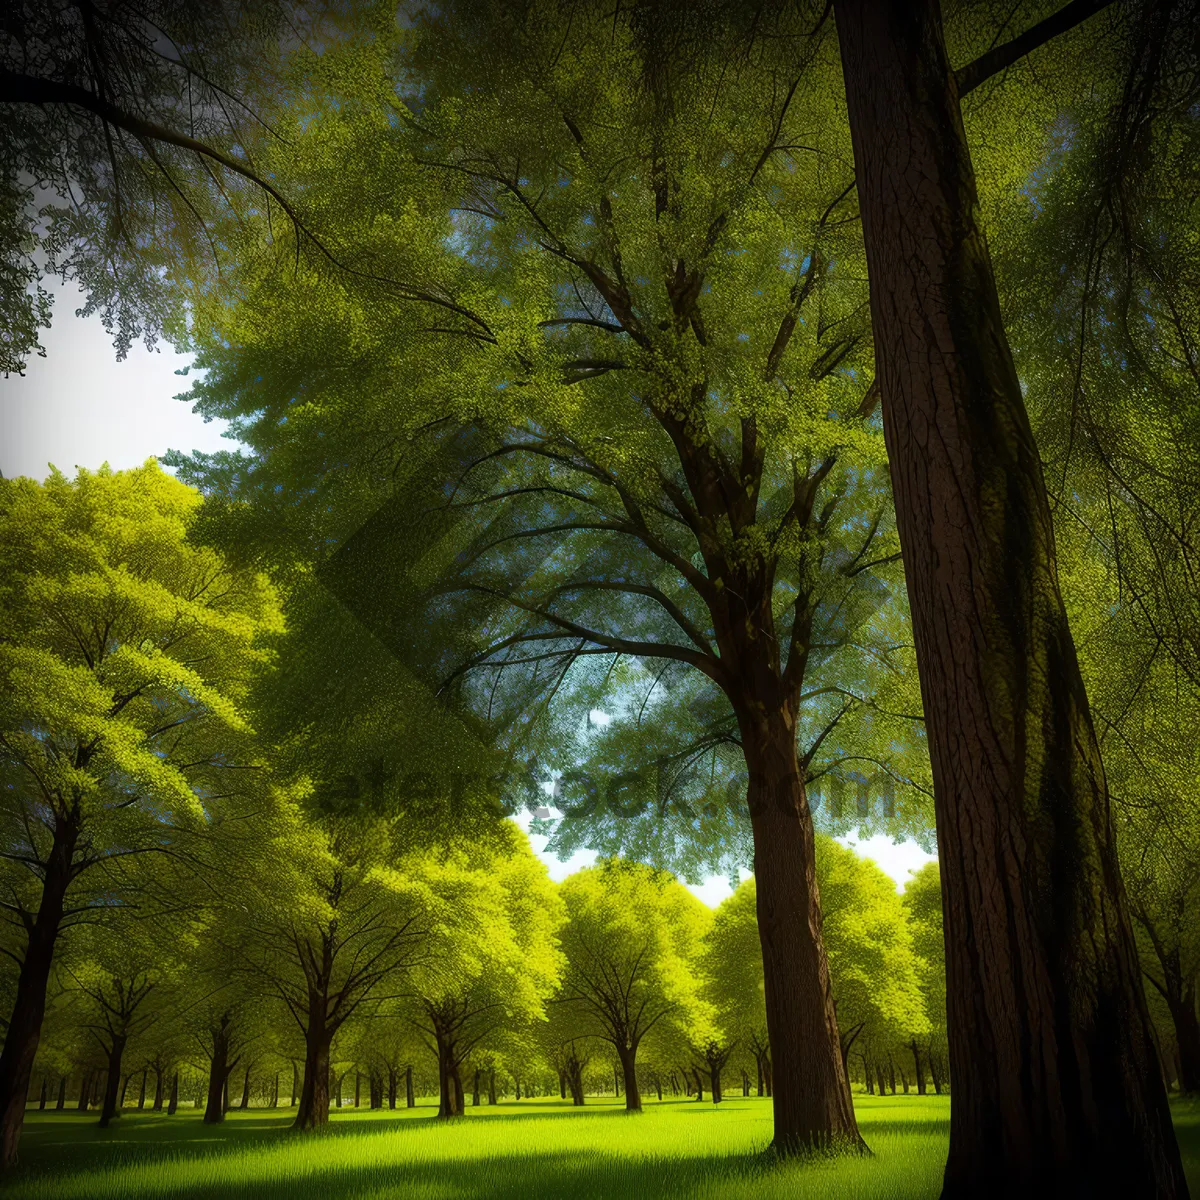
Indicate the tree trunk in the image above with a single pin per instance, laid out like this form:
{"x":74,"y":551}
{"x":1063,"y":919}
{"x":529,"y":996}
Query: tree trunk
{"x":313,"y":1112}
{"x":218,"y":1073}
{"x":562,"y":1084}
{"x":112,"y":1087}
{"x":142,"y":1090}
{"x":658,"y":1086}
{"x":245,"y":1101}
{"x":811,"y":1100}
{"x":1051,"y":1050}
{"x":745,"y":1084}
{"x":173,"y":1103}
{"x":449,"y":1097}
{"x":918,"y":1066}
{"x":410,"y":1100}
{"x":475,"y":1090}
{"x":158,"y":1089}
{"x":456,"y":1079}
{"x":61,"y":1102}
{"x":1182,"y":1004}
{"x":759,"y":1070}
{"x":24,"y":1029}
{"x":393,"y":1084}
{"x":935,"y":1071}
{"x":699,"y":1084}
{"x":295,"y":1084}
{"x":275,"y":1092}
{"x":633,"y":1097}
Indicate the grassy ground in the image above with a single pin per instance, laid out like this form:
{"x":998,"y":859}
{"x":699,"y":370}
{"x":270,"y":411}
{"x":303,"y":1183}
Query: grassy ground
{"x":532,"y":1149}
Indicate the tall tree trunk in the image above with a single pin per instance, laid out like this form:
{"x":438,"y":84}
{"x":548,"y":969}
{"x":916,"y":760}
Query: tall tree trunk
{"x":295,"y":1084}
{"x":275,"y":1092}
{"x":699,"y":1084}
{"x":918,"y":1066}
{"x":448,"y":1095}
{"x":173,"y":1103}
{"x":562,"y":1084}
{"x":745,"y":1084}
{"x":313,"y":1112}
{"x":1182,"y":1003}
{"x":218,"y":1074}
{"x":85,"y":1090}
{"x":1051,"y":1051}
{"x":475,"y":1090}
{"x":245,"y":1101}
{"x":392,"y":1086}
{"x":158,"y":1088}
{"x":142,"y":1090}
{"x":633,"y":1096}
{"x":61,"y":1102}
{"x":112,"y":1087}
{"x":811,"y":1100}
{"x":42,"y":1097}
{"x":24,"y":1029}
{"x":410,"y":1100}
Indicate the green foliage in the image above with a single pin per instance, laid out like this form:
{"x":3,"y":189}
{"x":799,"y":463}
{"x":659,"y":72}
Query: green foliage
{"x":126,"y":660}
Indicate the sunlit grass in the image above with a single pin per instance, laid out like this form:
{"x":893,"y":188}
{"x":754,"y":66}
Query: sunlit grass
{"x":537,"y":1149}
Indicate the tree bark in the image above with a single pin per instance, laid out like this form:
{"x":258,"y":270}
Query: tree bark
{"x":158,"y":1089}
{"x":173,"y":1103}
{"x":1182,"y":1003}
{"x":410,"y":1100}
{"x":245,"y":1101}
{"x":449,"y":1095}
{"x":1051,"y":1051}
{"x":295,"y":1084}
{"x":633,"y":1096}
{"x":313,"y":1112}
{"x":810,"y":1098}
{"x":24,"y":1030}
{"x":475,"y":1090}
{"x":61,"y":1102}
{"x":142,"y":1090}
{"x":918,"y":1066}
{"x":112,"y":1086}
{"x":218,"y":1074}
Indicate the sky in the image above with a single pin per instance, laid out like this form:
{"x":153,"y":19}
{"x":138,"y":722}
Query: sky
{"x":79,"y":407}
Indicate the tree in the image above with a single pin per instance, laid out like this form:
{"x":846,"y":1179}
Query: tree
{"x":631,"y":938}
{"x":731,"y":964}
{"x":628,"y":424}
{"x":871,"y":959}
{"x":491,"y":959}
{"x":923,"y":906}
{"x":125,"y":655}
{"x":136,"y":122}
{"x":1033,"y":898}
{"x":323,"y":920}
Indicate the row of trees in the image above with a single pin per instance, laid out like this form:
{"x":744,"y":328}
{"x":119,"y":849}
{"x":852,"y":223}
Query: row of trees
{"x":563,"y":384}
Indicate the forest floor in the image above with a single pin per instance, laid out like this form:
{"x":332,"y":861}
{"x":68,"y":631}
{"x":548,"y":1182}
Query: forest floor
{"x":516,"y":1150}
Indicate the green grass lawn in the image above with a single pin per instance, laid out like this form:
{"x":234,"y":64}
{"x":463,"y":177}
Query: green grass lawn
{"x":531,"y":1150}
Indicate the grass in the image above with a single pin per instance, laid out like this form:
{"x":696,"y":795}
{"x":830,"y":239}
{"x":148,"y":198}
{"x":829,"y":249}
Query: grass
{"x":513,"y":1151}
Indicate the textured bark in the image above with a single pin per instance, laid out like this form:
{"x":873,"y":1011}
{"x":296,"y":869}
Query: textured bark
{"x":1182,"y":1003}
{"x":112,"y":1084}
{"x":29,"y":1003}
{"x":918,"y":1066}
{"x":313,"y":1112}
{"x":633,"y":1095}
{"x":811,"y":1099}
{"x":218,"y":1074}
{"x":1051,"y":1052}
{"x":449,"y":1087}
